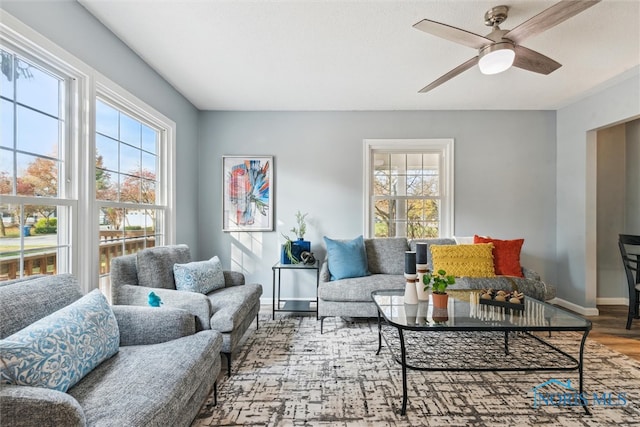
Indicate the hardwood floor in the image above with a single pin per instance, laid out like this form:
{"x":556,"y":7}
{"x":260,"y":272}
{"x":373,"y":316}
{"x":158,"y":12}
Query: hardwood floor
{"x":609,"y":329}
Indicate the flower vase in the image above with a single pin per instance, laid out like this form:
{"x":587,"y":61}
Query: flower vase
{"x":422,"y":271}
{"x":410,"y":294}
{"x":440,"y":301}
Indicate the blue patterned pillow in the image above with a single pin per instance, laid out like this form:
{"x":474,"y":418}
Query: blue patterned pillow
{"x":199,"y":276}
{"x":58,"y":350}
{"x":346,"y":258}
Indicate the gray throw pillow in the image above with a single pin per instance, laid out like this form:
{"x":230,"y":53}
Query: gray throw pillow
{"x":199,"y":276}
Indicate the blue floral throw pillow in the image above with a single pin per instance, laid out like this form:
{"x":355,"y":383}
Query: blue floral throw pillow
{"x":199,"y":276}
{"x":346,"y":258}
{"x":58,"y":350}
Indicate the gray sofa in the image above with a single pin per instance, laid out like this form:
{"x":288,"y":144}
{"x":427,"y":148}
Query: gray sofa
{"x":385,"y":257}
{"x":161,"y":374}
{"x":229,"y":310}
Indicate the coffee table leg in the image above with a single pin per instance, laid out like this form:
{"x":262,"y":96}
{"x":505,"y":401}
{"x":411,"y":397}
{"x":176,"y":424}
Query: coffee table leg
{"x":404,"y":373}
{"x":581,"y":369}
{"x":379,"y":335}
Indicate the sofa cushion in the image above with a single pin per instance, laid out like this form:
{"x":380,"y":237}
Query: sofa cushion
{"x":199,"y":276}
{"x":58,"y":350}
{"x":359,"y":288}
{"x":23,"y":301}
{"x":346,"y":258}
{"x":386,"y":255}
{"x":151,"y":385}
{"x":464,"y":260}
{"x":506,"y":255}
{"x":155,"y":265}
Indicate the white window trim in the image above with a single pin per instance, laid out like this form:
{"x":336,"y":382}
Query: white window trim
{"x":81,"y":151}
{"x":446,"y":148}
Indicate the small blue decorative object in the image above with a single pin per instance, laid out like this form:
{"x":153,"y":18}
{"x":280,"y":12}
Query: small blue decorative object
{"x":154,"y":300}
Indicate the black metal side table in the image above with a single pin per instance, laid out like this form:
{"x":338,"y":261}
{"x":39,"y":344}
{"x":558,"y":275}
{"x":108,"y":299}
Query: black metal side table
{"x":297,"y":306}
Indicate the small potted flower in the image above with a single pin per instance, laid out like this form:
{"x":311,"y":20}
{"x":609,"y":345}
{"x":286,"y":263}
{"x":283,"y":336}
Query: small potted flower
{"x":292,"y":249}
{"x":438,"y":282}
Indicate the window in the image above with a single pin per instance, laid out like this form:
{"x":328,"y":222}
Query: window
{"x":37,"y":202}
{"x":72,"y":193}
{"x":128,"y":172}
{"x":409,"y":188}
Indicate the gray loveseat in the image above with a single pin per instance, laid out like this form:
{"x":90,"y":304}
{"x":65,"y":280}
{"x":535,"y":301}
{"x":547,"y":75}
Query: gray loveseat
{"x":229,"y":310}
{"x":385,"y":257}
{"x":161,"y":374}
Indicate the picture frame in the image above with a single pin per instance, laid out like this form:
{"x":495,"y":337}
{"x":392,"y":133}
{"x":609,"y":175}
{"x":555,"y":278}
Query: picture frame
{"x":247,"y":193}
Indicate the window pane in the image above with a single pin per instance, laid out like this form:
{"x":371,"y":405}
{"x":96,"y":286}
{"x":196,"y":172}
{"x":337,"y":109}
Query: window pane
{"x":37,"y":176}
{"x":31,"y":238}
{"x":37,"y":89}
{"x":384,"y":212}
{"x":149,"y":139}
{"x":106,"y":189}
{"x":148,"y":165}
{"x":6,"y":172}
{"x":6,"y":124}
{"x":129,"y":160}
{"x":148,"y":191}
{"x":130,"y":189}
{"x":106,"y":153}
{"x":398,"y":163}
{"x":37,"y":133}
{"x":6,"y":77}
{"x":106,"y":120}
{"x":130,"y":130}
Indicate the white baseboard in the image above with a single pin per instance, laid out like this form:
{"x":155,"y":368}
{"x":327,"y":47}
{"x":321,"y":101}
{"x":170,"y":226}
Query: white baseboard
{"x":575,"y":307}
{"x":612,"y":301}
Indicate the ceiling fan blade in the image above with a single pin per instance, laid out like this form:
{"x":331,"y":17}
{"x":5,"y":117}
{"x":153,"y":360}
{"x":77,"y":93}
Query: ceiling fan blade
{"x":451,"y":74}
{"x":531,"y":60}
{"x":548,"y":18}
{"x":452,"y":33}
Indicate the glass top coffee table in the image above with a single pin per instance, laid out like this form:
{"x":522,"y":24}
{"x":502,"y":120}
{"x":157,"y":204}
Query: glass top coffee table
{"x":471,"y":336}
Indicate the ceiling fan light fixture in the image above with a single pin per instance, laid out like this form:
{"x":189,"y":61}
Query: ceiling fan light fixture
{"x":496,"y":58}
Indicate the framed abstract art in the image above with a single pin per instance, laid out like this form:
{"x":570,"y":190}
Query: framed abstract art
{"x":247,"y":193}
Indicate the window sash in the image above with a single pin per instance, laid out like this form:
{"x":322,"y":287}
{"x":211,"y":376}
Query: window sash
{"x":442,"y":147}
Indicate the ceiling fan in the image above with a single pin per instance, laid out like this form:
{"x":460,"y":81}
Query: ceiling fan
{"x":500,"y":49}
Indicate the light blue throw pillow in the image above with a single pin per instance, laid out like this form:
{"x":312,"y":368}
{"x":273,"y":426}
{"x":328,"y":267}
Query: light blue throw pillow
{"x":346,"y":258}
{"x":58,"y":350}
{"x":199,"y":276}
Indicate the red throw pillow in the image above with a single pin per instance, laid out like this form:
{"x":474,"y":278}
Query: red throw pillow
{"x":506,"y":255}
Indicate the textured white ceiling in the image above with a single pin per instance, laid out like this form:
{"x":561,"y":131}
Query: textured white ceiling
{"x":363,"y":54}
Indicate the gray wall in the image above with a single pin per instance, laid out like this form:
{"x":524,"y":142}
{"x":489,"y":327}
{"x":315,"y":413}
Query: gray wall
{"x":504,"y":177}
{"x":576,"y":240}
{"x":71,"y":27}
{"x":632,"y":215}
{"x":611,"y":206}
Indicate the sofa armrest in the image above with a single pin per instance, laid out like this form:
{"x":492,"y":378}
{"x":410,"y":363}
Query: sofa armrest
{"x":36,"y":406}
{"x":152,"y":325}
{"x":193,"y":302}
{"x":233,"y":278}
{"x":325,"y":275}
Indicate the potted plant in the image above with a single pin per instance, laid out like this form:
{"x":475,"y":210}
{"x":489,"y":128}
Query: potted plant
{"x":291,"y":249}
{"x":438,"y":282}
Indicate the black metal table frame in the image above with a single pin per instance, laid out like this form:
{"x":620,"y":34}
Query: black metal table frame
{"x":277,"y":300}
{"x":527,"y":330}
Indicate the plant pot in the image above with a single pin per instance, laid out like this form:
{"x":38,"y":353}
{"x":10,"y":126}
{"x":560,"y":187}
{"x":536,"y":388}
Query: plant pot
{"x":297,"y":247}
{"x":440,"y":300}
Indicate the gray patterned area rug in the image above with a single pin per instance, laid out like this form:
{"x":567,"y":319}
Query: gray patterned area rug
{"x":288,"y":374}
